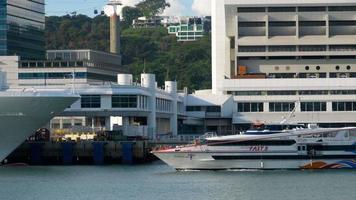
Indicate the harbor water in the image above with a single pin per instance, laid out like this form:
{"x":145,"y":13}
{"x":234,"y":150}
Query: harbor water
{"x":158,"y":181}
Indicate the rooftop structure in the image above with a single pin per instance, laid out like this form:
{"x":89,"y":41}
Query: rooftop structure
{"x":22,"y":26}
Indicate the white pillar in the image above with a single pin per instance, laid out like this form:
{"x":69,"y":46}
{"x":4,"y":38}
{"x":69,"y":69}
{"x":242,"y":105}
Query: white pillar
{"x":220,"y":46}
{"x":171,"y":87}
{"x":149,"y":81}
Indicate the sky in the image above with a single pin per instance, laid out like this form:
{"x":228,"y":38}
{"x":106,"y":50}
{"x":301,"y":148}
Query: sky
{"x":87,"y":7}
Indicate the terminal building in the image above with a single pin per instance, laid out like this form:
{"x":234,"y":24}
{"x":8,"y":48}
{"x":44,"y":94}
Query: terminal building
{"x":272,"y":62}
{"x":291,"y":61}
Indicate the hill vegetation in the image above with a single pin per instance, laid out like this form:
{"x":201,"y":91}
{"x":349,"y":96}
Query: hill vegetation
{"x":149,"y":50}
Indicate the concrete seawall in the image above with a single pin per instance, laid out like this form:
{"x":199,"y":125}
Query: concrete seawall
{"x":82,"y":152}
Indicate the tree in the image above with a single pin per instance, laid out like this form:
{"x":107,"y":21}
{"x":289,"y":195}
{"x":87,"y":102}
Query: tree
{"x":151,"y":8}
{"x":151,"y":50}
{"x":129,"y":14}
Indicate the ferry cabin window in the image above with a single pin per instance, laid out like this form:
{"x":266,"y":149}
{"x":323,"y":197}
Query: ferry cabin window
{"x":250,"y":107}
{"x":90,"y":101}
{"x":313,"y":106}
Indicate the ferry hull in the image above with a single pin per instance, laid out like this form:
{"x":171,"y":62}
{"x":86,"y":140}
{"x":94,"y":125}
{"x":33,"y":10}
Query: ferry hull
{"x":205,"y":161}
{"x":21,"y":116}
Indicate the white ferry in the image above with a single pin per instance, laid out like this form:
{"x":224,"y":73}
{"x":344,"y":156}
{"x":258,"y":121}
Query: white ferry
{"x":268,"y":147}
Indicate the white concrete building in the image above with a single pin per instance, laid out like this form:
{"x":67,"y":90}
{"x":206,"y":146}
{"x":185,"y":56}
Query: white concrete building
{"x":137,"y":109}
{"x":276,"y":57}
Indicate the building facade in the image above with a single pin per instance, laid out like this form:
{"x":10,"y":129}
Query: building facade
{"x":188,"y":29}
{"x":71,"y":66}
{"x":22,"y":24}
{"x":286,"y":61}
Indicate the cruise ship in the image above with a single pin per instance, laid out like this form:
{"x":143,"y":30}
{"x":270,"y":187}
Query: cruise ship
{"x":23,"y":111}
{"x":295,"y":148}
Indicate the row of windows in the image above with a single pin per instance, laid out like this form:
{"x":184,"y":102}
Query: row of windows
{"x":282,"y":107}
{"x":52,"y":75}
{"x":250,"y":107}
{"x":163,"y":105}
{"x":282,"y":93}
{"x":294,"y":9}
{"x":344,"y":106}
{"x":125,"y":101}
{"x":203,"y":108}
{"x":289,"y":106}
{"x":290,"y":48}
{"x":313,"y":106}
{"x":90,"y":101}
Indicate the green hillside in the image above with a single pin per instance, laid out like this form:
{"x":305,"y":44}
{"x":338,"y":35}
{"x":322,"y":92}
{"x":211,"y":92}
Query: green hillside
{"x":144,"y":50}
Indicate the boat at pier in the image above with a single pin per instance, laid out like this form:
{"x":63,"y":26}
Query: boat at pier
{"x":268,"y":147}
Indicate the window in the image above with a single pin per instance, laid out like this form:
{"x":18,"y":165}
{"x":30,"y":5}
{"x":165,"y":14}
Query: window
{"x":251,"y":9}
{"x":194,"y":108}
{"x":343,"y":23}
{"x":281,"y":9}
{"x":312,"y":23}
{"x":281,"y":24}
{"x":342,"y":8}
{"x":124,"y":101}
{"x":343,"y":92}
{"x":90,"y":101}
{"x":312,"y":9}
{"x":313,"y":106}
{"x":281,"y":106}
{"x":344,"y":106}
{"x":314,"y":92}
{"x":252,"y":48}
{"x":213,"y":109}
{"x":163,"y":105}
{"x":250,"y":107}
{"x":252,"y":24}
{"x":246,"y":93}
{"x":281,"y":93}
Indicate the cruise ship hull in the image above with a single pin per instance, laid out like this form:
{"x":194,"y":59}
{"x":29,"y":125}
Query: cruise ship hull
{"x":21,"y":115}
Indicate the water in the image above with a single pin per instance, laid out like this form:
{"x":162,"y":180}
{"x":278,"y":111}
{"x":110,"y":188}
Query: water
{"x":157,"y":181}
